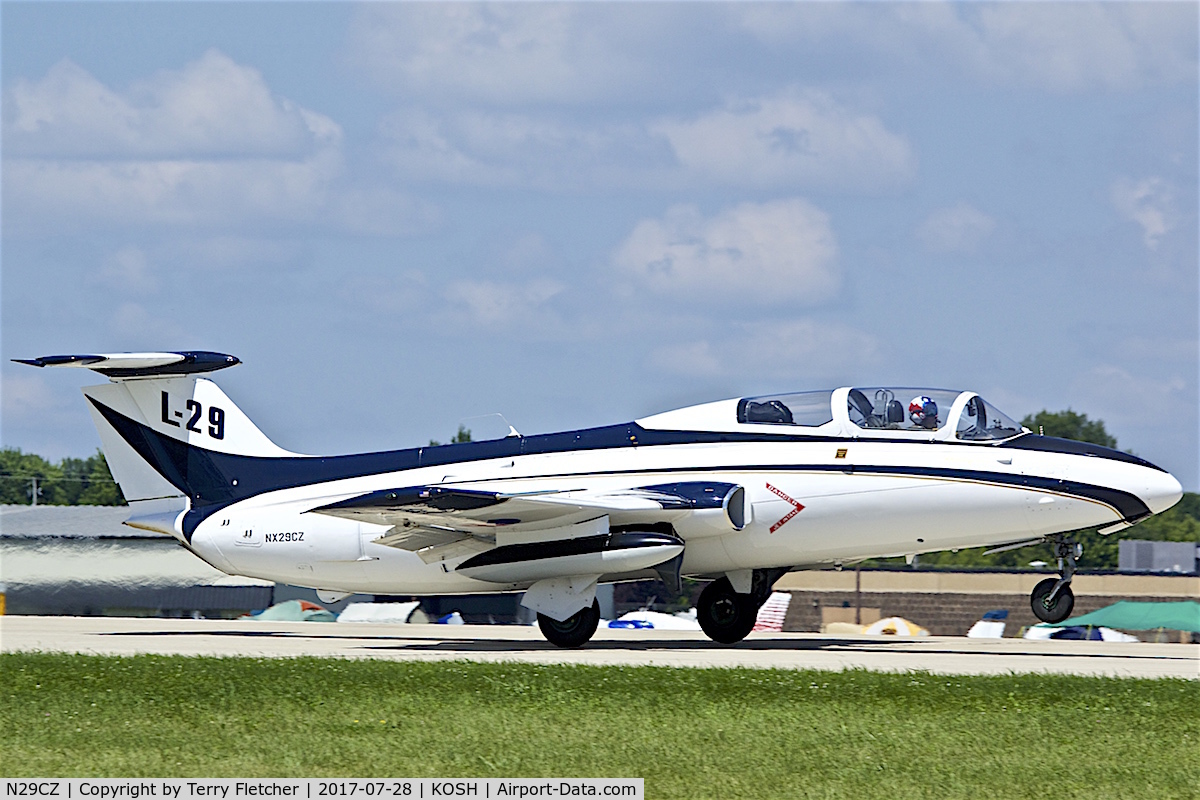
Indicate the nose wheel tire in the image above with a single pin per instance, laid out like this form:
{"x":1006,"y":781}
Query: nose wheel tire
{"x":1048,"y":610}
{"x":725,"y":615}
{"x":575,"y":630}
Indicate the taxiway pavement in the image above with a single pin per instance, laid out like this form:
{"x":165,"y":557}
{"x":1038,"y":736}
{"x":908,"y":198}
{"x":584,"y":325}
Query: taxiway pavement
{"x":947,"y":655}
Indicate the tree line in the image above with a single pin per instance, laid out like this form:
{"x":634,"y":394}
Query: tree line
{"x":70,"y":482}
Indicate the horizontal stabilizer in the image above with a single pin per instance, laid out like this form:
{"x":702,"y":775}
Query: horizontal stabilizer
{"x":139,"y":365}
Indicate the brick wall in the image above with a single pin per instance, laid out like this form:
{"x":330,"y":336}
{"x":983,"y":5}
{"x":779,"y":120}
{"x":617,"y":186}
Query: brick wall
{"x":943,"y":614}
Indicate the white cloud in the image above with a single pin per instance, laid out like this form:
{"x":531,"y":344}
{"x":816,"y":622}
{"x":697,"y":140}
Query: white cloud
{"x":797,"y":138}
{"x":1059,"y":47}
{"x":577,"y":54}
{"x":378,"y":211}
{"x":136,"y":327}
{"x":1149,"y":203}
{"x":539,"y":150}
{"x":212,"y":107}
{"x":419,"y":144}
{"x":768,"y":253}
{"x":128,"y":270}
{"x":208,"y":146}
{"x":403,"y":294}
{"x":797,"y":352}
{"x":1071,"y":46}
{"x":802,"y":137}
{"x":526,"y":251}
{"x":806,"y":347}
{"x":68,"y":194}
{"x":490,"y":303}
{"x":494,"y":52}
{"x":1160,"y":350}
{"x":958,"y":229}
{"x":228,"y":252}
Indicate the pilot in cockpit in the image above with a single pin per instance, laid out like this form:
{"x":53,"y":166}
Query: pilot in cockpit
{"x":923,"y":412}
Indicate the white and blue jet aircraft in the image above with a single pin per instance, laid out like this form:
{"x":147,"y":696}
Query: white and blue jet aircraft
{"x":738,"y":491}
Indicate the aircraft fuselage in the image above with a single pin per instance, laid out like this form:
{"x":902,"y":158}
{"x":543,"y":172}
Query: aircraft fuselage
{"x":809,"y":503}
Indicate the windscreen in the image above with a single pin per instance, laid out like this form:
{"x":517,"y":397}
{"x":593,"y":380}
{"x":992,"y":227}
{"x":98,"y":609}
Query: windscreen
{"x":981,"y":421}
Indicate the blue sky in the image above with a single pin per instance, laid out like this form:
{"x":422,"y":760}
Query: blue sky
{"x":403,"y":216}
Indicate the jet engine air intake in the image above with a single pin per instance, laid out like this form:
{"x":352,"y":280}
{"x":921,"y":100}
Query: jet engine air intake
{"x":735,"y":507}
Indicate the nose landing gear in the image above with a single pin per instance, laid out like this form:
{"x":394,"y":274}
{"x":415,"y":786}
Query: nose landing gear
{"x":1052,"y":599}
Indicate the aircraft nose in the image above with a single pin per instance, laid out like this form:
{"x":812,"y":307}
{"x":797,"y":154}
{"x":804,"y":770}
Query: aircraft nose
{"x":1163,"y":490}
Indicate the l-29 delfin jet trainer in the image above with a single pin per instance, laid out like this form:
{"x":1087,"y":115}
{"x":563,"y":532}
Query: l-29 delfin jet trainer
{"x":738,"y":491}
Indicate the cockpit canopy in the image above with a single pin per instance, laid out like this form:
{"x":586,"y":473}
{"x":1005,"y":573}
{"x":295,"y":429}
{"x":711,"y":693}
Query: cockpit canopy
{"x":883,"y":409}
{"x":900,"y":409}
{"x":809,"y":409}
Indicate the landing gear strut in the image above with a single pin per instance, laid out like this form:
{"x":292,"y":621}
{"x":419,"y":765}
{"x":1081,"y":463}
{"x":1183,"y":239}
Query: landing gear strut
{"x":1052,"y":599}
{"x":575,"y":630}
{"x":728,"y":616}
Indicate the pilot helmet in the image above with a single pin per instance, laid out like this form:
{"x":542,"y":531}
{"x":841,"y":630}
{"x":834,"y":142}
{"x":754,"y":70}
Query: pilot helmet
{"x":923,"y":411}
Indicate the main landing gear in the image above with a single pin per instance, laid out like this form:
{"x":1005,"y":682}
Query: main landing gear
{"x":1052,"y":599}
{"x":575,"y":630}
{"x":728,"y":616}
{"x":725,"y":614}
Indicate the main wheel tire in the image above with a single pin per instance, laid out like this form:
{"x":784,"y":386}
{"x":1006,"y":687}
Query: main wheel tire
{"x":575,"y":630}
{"x":725,"y":615}
{"x":1055,"y":611}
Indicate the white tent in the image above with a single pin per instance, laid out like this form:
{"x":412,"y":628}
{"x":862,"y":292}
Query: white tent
{"x":383,"y":612}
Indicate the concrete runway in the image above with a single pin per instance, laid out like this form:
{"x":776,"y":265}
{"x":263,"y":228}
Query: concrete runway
{"x":946,"y":655}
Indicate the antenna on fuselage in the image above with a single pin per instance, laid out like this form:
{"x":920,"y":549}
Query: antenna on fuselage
{"x":494,"y":418}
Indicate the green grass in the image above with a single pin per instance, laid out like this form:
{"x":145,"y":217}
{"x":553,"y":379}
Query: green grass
{"x":688,"y":732}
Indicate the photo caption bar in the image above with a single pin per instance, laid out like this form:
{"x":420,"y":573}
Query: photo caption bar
{"x":318,"y":788}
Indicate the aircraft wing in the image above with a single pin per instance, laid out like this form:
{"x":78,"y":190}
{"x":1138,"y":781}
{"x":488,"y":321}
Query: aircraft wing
{"x":425,"y":517}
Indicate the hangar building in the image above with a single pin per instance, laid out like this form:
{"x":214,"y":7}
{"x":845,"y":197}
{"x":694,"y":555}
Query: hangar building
{"x":81,"y":560}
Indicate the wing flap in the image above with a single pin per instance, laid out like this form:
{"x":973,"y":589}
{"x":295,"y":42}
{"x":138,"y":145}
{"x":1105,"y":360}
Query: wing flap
{"x":432,"y":546}
{"x":415,"y":539}
{"x":463,"y":548}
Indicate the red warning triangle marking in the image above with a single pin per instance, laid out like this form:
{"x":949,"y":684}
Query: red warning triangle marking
{"x":798,"y":507}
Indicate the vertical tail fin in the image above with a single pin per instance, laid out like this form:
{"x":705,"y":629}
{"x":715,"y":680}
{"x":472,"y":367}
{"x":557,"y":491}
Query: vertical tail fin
{"x":191,"y":411}
{"x":155,"y":411}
